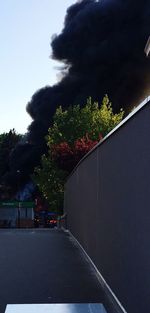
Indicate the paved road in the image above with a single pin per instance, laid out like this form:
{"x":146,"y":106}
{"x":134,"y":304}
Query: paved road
{"x":44,"y":266}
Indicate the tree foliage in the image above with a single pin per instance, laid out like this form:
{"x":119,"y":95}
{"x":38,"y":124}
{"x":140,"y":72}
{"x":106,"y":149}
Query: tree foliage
{"x":7,"y":143}
{"x":50,"y":181}
{"x":75,"y":131}
{"x":75,"y":122}
{"x":67,"y":156}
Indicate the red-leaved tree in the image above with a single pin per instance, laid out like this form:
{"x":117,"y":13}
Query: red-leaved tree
{"x":67,"y":156}
{"x":75,"y":131}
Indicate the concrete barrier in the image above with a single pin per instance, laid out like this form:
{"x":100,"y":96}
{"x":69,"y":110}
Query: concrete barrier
{"x":107,"y":201}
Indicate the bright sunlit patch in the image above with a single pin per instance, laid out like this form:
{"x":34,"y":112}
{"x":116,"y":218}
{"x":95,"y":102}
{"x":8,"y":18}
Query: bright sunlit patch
{"x":147,"y":47}
{"x":56,"y":308}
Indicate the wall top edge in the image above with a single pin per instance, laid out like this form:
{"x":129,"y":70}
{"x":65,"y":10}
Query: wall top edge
{"x":144,"y":103}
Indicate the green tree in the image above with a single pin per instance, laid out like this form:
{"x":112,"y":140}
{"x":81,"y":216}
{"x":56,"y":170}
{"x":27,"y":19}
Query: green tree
{"x":75,"y":122}
{"x":7,"y":143}
{"x":74,"y":131}
{"x":50,"y":181}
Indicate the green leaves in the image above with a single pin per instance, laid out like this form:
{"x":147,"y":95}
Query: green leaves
{"x":73,"y":123}
{"x":50,"y":181}
{"x":74,"y":132}
{"x":7,"y":142}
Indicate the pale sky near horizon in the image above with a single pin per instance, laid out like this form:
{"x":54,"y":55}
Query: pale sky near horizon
{"x":26,"y":28}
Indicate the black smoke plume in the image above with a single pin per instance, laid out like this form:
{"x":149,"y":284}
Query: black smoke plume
{"x":102,"y":48}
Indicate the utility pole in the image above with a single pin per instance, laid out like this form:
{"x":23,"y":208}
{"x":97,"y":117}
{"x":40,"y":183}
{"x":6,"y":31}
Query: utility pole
{"x":18,"y":182}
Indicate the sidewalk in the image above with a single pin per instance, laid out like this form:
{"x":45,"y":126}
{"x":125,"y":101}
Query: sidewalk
{"x":44,"y":266}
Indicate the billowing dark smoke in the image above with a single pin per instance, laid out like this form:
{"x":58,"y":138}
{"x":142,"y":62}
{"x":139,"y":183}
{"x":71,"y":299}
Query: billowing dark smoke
{"x":102,"y":47}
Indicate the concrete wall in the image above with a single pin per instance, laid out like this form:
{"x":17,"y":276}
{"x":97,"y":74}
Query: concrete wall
{"x":107,"y":199}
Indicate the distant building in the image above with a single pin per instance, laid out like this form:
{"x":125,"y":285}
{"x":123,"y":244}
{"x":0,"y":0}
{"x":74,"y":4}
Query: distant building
{"x":16,"y":214}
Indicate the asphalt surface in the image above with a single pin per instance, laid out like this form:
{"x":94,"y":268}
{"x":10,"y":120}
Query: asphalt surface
{"x":44,"y":266}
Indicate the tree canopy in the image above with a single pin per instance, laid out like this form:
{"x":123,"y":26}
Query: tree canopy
{"x":7,"y":143}
{"x":75,"y":131}
{"x":75,"y":122}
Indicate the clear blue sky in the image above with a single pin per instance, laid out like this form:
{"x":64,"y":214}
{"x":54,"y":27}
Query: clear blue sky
{"x":26,"y":28}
